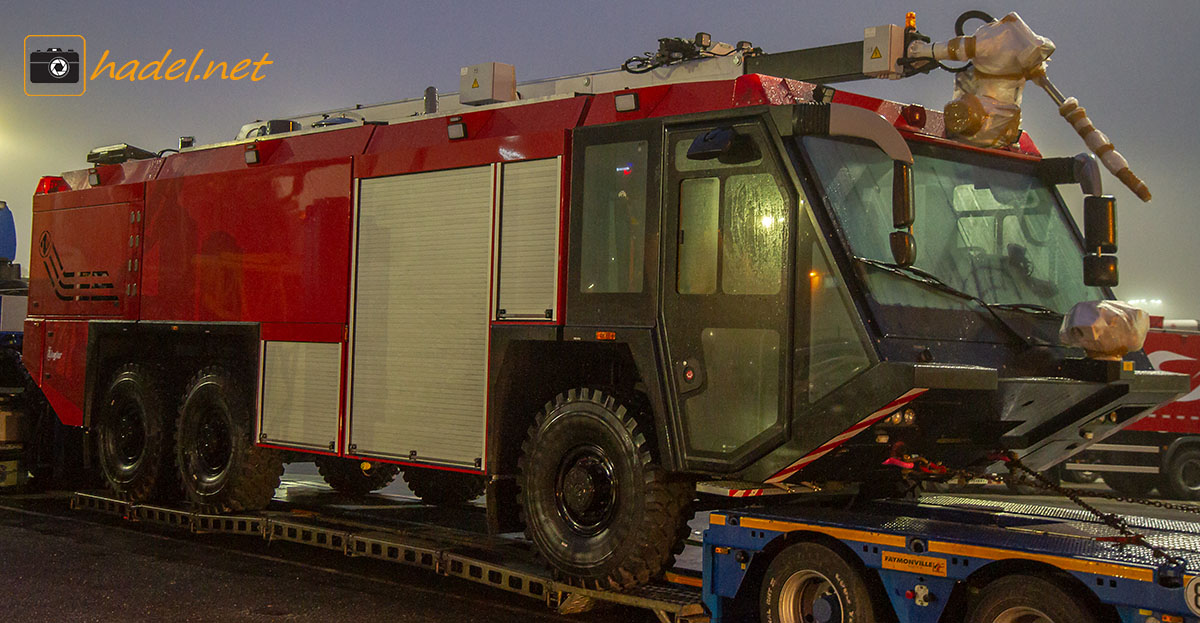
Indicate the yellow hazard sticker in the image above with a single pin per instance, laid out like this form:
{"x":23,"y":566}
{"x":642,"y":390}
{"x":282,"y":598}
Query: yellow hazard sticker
{"x":924,"y":565}
{"x":475,"y":84}
{"x":876,"y":54}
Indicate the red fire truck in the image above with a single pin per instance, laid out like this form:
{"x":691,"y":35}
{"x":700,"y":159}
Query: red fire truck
{"x":584,"y":295}
{"x":1161,"y":450}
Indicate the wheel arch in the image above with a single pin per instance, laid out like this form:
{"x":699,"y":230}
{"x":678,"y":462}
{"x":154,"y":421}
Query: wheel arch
{"x":1177,"y":445}
{"x":176,"y":349}
{"x":529,"y":366}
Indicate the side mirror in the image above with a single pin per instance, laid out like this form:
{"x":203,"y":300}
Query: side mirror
{"x":1100,"y":270}
{"x":1100,"y":224}
{"x":904,"y":248}
{"x":725,"y":145}
{"x":1099,"y":238}
{"x":903,"y":213}
{"x":846,"y":120}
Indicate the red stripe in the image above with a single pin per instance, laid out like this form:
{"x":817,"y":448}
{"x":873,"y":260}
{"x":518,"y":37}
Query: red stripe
{"x":883,"y":412}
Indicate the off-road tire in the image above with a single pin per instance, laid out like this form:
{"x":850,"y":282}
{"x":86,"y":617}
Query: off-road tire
{"x":1129,"y":483}
{"x":135,"y":437}
{"x":1181,"y":478}
{"x":444,"y":488}
{"x":347,"y":476}
{"x":1033,"y":597}
{"x":598,"y":531}
{"x":238,"y":476}
{"x":805,"y":573}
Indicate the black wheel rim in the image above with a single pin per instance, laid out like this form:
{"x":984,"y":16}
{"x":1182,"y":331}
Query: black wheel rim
{"x":213,"y":447}
{"x":1189,"y":474}
{"x":586,"y":490}
{"x":125,"y":441}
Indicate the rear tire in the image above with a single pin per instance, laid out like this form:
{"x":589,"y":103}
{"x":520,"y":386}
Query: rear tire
{"x":347,"y":476}
{"x":1028,"y":598}
{"x":134,"y":437}
{"x":444,"y":488}
{"x":1128,"y":483}
{"x":1181,"y":480}
{"x":594,"y":503}
{"x":221,"y":468}
{"x":811,"y":582}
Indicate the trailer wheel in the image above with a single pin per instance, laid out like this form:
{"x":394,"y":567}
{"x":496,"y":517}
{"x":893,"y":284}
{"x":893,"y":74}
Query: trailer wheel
{"x":1181,"y":480}
{"x":1028,"y":599}
{"x":594,"y":503}
{"x":221,"y":468}
{"x":444,"y":488}
{"x":134,"y":437}
{"x":811,"y":582}
{"x":1129,"y":483}
{"x":348,"y":477}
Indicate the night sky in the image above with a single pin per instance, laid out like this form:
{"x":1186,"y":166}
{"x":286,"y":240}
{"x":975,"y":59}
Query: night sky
{"x":1132,"y":65}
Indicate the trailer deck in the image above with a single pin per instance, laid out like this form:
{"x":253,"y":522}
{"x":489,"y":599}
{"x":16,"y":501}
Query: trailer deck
{"x":925,"y":551}
{"x":497,"y":561}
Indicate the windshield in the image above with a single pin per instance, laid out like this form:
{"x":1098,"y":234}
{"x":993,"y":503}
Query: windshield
{"x":987,"y":227}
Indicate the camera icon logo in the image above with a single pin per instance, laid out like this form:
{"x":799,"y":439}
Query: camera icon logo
{"x":56,"y":65}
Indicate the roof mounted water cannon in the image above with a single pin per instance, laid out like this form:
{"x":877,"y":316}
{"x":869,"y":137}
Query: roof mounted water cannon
{"x":986,"y":109}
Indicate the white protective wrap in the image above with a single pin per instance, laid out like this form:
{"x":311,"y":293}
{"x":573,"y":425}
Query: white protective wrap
{"x":1105,"y":329}
{"x":986,"y":109}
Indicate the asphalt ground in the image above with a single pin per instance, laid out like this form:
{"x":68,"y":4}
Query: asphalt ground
{"x":62,"y":565}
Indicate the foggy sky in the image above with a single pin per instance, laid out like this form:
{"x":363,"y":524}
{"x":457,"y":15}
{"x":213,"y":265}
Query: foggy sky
{"x":1132,"y":65}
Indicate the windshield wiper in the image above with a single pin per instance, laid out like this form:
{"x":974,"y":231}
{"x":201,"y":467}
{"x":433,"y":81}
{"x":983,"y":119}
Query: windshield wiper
{"x":921,"y":276}
{"x":1033,"y":308}
{"x":918,"y":275}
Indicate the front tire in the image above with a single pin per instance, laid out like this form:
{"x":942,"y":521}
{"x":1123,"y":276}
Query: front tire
{"x":444,"y":488}
{"x":1181,"y":480}
{"x":1129,"y":483}
{"x":594,"y":503}
{"x":347,"y":476}
{"x":221,"y":468}
{"x":134,"y":437}
{"x":811,"y":582}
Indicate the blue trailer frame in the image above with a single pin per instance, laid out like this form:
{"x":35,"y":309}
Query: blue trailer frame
{"x":927,"y":556}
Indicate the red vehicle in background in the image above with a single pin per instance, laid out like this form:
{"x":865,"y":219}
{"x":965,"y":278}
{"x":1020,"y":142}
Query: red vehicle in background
{"x":1162,"y":450}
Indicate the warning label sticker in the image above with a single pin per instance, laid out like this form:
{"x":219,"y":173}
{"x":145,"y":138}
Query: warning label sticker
{"x":914,"y":564}
{"x":876,"y":54}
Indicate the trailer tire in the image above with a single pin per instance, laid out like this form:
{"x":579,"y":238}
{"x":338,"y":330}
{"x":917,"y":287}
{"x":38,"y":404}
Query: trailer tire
{"x":134,"y":437}
{"x":444,"y":488}
{"x":594,"y":503}
{"x":1181,"y":480}
{"x":1028,"y":597}
{"x":1128,"y":483}
{"x":221,"y":468}
{"x":811,"y":582}
{"x":346,"y":476}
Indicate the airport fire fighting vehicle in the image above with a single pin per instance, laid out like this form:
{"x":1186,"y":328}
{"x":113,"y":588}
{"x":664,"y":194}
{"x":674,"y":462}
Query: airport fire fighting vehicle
{"x":586,"y":295}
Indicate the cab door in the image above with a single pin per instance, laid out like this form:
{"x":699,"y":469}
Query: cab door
{"x":727,"y":297}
